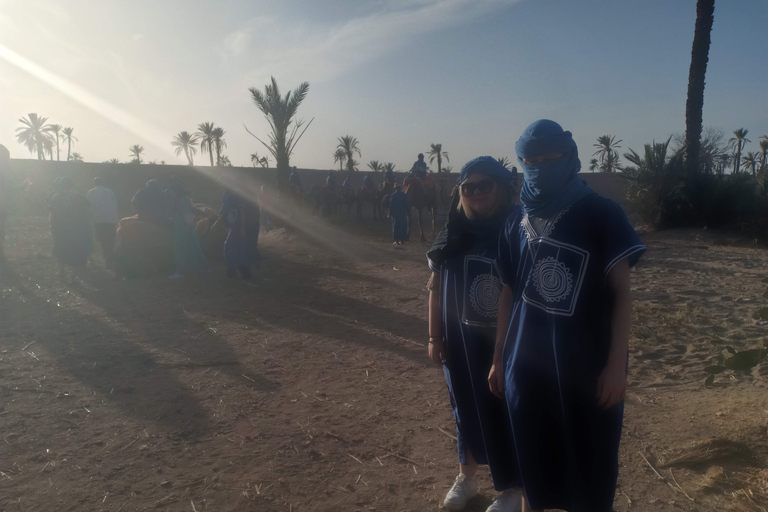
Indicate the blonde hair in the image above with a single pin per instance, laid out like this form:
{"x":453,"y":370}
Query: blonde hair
{"x":503,"y":200}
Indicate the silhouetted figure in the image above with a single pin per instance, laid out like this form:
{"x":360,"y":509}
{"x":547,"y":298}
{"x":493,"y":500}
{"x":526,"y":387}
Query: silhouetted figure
{"x":104,"y":216}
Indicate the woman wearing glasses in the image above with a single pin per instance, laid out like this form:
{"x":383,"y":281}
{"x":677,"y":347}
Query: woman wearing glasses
{"x":464,"y":291}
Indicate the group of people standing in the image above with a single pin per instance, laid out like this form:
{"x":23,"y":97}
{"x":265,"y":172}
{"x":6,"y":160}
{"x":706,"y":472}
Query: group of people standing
{"x":529,"y":314}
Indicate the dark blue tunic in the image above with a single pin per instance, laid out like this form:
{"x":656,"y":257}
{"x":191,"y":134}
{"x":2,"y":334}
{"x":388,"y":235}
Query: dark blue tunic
{"x":557,"y":346}
{"x":470,"y":287}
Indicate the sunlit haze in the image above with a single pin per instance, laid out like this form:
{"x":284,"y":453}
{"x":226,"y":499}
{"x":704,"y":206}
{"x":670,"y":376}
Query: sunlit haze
{"x":398,"y":74}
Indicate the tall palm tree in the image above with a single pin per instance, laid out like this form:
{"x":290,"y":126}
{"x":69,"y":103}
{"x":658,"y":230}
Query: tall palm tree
{"x":136,"y":152}
{"x":69,"y":138}
{"x":436,"y":152}
{"x":32,"y":133}
{"x":219,"y":143}
{"x":185,"y":142}
{"x":594,"y":164}
{"x":606,"y":152}
{"x":505,"y":162}
{"x":255,"y":159}
{"x":205,"y":137}
{"x":751,"y":162}
{"x":340,"y":156}
{"x":375,"y":166}
{"x":349,"y":145}
{"x":55,"y":130}
{"x":737,"y":143}
{"x":694,"y":105}
{"x":264,"y":161}
{"x":764,"y":149}
{"x":48,"y":147}
{"x":285,"y":134}
{"x":77,"y":157}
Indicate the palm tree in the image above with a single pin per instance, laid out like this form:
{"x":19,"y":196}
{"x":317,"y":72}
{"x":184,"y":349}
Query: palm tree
{"x":721,"y":163}
{"x":349,"y":145}
{"x":751,"y":162}
{"x":55,"y":129}
{"x":48,"y":148}
{"x":694,"y":105}
{"x":436,"y":152}
{"x":69,"y":138}
{"x":764,"y":148}
{"x":737,"y":143}
{"x":136,"y":152}
{"x":375,"y":166}
{"x":389,"y":166}
{"x":205,"y":134}
{"x":504,"y":161}
{"x":255,"y":159}
{"x":185,"y":142}
{"x":280,"y":112}
{"x":264,"y":161}
{"x":340,"y":156}
{"x":594,"y":165}
{"x":77,"y":157}
{"x":448,"y":169}
{"x":32,"y":133}
{"x":219,"y":143}
{"x":606,"y":152}
{"x":112,"y":161}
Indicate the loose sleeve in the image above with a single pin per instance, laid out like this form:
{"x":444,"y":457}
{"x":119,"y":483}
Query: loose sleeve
{"x":618,"y":239}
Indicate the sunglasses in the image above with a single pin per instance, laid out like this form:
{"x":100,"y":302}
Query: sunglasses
{"x":484,"y":187}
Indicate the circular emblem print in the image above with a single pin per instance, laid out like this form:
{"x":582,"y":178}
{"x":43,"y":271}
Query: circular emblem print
{"x":484,"y":295}
{"x":552,"y":280}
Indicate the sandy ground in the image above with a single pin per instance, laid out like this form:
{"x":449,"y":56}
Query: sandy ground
{"x":308,"y":388}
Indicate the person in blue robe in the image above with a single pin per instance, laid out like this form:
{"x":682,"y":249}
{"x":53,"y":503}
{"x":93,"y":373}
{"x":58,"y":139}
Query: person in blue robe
{"x":295,"y":179}
{"x":188,"y":252}
{"x":419,"y":168}
{"x":564,"y":318}
{"x":346,"y":185}
{"x":240,"y":248}
{"x":464,"y":292}
{"x":399,"y":208}
{"x":330,"y":181}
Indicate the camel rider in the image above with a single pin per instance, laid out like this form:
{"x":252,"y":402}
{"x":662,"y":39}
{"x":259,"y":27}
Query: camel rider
{"x":345,"y":184}
{"x":295,"y":179}
{"x":389,"y":175}
{"x":368,"y":183}
{"x":330,"y":181}
{"x":419,"y":168}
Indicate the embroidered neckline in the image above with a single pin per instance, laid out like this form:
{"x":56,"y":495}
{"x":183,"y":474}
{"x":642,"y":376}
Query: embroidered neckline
{"x":549,"y":227}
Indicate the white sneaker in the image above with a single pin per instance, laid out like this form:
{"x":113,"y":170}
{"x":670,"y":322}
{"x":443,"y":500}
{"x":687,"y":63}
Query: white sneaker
{"x":508,"y":501}
{"x":463,"y":490}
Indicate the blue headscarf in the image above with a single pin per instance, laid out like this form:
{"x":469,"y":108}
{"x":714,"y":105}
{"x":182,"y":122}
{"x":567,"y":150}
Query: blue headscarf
{"x":549,"y":187}
{"x":486,"y":165}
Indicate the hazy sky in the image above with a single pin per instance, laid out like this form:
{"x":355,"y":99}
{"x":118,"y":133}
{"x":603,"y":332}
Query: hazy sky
{"x":397,"y":74}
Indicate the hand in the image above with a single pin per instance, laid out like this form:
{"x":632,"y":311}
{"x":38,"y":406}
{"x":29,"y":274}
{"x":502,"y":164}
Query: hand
{"x":611,"y":385}
{"x":437,"y":351}
{"x":496,"y":379}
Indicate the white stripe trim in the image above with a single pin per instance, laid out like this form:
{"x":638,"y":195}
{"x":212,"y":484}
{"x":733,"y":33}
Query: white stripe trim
{"x":626,"y":254}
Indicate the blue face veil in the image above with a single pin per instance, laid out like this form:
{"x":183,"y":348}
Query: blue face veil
{"x":549,"y":187}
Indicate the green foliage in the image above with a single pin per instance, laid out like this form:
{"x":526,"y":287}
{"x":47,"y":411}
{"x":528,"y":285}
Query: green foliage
{"x":658,"y":193}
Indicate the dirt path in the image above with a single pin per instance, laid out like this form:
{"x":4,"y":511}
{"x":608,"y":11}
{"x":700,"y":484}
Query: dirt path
{"x":308,"y":389}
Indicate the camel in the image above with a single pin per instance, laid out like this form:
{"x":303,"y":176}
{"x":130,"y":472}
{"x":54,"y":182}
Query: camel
{"x":373,"y":197}
{"x":421,"y":197}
